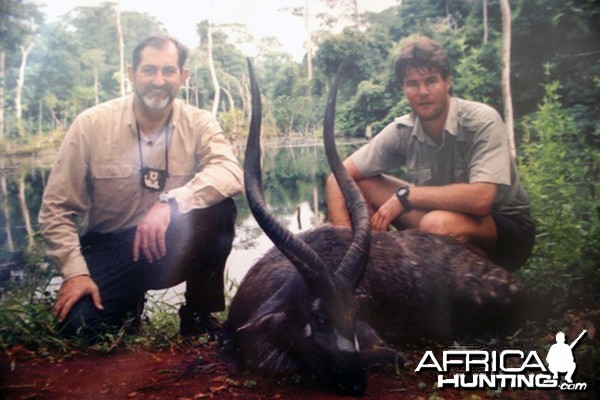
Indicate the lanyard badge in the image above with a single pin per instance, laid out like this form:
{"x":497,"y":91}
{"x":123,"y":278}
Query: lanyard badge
{"x":154,"y":179}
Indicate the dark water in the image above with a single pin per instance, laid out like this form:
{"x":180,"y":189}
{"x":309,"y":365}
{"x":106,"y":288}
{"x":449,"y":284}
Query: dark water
{"x":294,"y":185}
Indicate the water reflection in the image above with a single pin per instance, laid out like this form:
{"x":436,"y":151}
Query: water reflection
{"x":294,"y":185}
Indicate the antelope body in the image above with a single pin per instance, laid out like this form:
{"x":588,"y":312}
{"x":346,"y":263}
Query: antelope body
{"x":322,"y":301}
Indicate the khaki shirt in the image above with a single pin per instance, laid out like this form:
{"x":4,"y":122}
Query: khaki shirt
{"x":95,"y":184}
{"x":474,"y":149}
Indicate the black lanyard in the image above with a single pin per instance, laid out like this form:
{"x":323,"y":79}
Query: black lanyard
{"x":152,"y":178}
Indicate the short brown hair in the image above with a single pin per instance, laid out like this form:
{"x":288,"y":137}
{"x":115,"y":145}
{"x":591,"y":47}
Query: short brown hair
{"x":158,"y":41}
{"x":421,"y":53}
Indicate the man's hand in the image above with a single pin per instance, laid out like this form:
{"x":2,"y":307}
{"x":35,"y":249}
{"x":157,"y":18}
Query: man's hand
{"x":151,"y":232}
{"x":71,"y":291}
{"x":386,"y":214}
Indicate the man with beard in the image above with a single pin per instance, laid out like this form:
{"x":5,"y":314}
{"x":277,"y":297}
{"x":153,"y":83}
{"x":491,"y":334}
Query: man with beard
{"x":140,"y":198}
{"x":461,"y":180}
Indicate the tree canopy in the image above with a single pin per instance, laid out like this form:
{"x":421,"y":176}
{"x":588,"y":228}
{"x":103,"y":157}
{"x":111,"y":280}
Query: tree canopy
{"x":74,"y":62}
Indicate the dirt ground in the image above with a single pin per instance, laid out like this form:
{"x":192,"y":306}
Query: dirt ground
{"x":198,"y":372}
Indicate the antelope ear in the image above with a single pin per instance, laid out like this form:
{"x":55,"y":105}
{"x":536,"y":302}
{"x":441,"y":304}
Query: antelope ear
{"x":263,"y":322}
{"x":272,"y":311}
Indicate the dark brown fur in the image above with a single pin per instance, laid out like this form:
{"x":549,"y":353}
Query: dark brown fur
{"x":323,"y":307}
{"x":416,"y":286}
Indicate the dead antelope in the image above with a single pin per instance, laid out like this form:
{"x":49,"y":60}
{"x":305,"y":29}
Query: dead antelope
{"x":320,"y":301}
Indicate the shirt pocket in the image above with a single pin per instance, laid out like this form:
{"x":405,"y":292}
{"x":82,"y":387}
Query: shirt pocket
{"x":419,"y":176}
{"x":115,"y":186}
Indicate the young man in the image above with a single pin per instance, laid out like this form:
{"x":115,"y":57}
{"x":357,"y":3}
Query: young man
{"x":462,"y":180}
{"x":141,"y":198}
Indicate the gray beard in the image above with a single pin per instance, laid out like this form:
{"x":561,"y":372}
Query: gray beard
{"x":153,"y":103}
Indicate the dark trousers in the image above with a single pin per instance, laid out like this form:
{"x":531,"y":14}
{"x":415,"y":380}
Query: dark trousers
{"x":198,"y":244}
{"x":515,"y":241}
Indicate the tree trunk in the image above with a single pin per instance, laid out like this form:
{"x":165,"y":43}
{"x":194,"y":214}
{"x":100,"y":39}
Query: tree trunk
{"x":246,"y":101}
{"x":356,"y":14}
{"x":309,"y":44}
{"x":485,"y":22}
{"x":96,"y":87}
{"x":25,"y":212}
{"x":40,"y":116}
{"x":10,"y":244}
{"x":121,"y":55}
{"x":2,"y":96}
{"x":187,"y":91}
{"x":242,"y":91}
{"x":19,"y":88}
{"x":506,"y":92}
{"x":213,"y":72}
{"x":235,"y":124}
{"x":227,"y":91}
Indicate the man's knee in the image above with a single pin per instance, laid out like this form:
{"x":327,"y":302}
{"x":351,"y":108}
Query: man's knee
{"x":83,"y":319}
{"x":442,"y":223}
{"x":87,"y":321}
{"x":480,"y":232}
{"x":221,"y":219}
{"x":205,"y":225}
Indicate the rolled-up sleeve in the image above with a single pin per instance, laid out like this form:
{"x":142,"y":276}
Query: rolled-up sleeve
{"x":220,"y":174}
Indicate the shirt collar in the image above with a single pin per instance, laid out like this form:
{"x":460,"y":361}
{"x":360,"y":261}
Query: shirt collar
{"x":452,"y":119}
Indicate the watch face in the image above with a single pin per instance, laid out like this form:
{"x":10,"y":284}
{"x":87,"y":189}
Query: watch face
{"x":402,"y":192}
{"x":165,"y":197}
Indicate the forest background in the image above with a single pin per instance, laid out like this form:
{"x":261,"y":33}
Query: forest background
{"x":50,"y":72}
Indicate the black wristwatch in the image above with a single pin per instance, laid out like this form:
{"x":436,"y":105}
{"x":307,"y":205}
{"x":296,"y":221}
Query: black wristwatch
{"x":402,"y":195}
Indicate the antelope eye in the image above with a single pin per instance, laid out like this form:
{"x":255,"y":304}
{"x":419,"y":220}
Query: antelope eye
{"x":321,"y":319}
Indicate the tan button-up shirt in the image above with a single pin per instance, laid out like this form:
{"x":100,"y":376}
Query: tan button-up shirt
{"x":95,"y":184}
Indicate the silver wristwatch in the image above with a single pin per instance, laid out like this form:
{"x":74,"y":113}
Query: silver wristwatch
{"x":166,"y":197}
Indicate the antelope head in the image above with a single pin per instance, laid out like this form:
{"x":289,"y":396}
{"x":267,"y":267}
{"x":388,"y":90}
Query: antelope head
{"x":315,"y":310}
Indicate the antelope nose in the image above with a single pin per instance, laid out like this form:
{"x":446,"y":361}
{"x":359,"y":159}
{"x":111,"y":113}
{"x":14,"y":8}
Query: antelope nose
{"x":358,"y":390}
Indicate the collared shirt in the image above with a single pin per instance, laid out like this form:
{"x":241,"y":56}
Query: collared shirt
{"x":474,"y":148}
{"x":97,"y":178}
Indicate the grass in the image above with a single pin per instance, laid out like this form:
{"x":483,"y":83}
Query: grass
{"x":26,"y":319}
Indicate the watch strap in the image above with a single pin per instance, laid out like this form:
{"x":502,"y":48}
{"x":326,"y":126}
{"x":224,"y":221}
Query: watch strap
{"x":402,"y":194}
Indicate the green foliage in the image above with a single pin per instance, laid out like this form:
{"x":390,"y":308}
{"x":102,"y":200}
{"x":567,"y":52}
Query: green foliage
{"x":369,"y":104}
{"x":69,"y":57}
{"x":26,"y":310}
{"x":26,"y":320}
{"x":361,"y":53}
{"x":26,"y":317}
{"x":17,"y":22}
{"x":560,"y":173}
{"x":472,"y":79}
